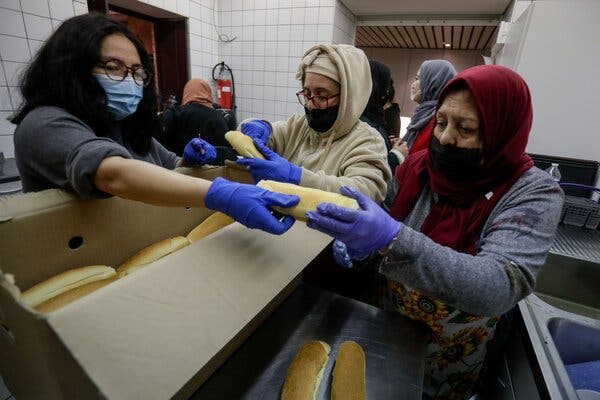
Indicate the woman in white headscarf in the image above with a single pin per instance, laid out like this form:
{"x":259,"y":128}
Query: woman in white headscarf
{"x":327,"y":147}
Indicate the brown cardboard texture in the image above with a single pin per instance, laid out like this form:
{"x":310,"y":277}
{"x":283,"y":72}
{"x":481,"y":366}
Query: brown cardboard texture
{"x":155,"y":334}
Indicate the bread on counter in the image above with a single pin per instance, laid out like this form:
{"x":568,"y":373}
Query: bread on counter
{"x":348,"y":381}
{"x":305,"y":373}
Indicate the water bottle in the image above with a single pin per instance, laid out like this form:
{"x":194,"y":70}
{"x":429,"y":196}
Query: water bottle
{"x":554,"y":172}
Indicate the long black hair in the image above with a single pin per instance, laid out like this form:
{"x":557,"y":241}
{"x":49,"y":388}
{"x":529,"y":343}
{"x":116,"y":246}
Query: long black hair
{"x":61,"y":75}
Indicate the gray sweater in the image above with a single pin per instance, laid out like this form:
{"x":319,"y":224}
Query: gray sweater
{"x":55,"y":149}
{"x":512,"y":247}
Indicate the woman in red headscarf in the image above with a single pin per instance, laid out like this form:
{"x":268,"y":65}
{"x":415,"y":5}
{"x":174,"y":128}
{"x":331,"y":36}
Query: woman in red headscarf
{"x":469,"y":228}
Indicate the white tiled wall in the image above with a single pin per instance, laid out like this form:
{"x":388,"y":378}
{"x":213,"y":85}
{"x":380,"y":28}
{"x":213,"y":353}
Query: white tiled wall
{"x":204,"y":48}
{"x":271,"y":37}
{"x":24,"y":25}
{"x":344,"y":25}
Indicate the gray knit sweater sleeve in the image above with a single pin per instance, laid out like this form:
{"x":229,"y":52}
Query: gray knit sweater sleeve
{"x":511,"y":249}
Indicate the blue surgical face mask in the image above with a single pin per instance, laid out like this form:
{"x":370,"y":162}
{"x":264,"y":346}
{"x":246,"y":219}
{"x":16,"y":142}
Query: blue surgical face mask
{"x":123,"y":97}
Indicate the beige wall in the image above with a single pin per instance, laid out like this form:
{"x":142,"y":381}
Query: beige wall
{"x":404,"y":64}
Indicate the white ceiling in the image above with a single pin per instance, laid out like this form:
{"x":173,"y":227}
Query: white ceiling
{"x":427,"y":7}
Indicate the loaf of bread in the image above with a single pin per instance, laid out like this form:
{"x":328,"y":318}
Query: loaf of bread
{"x":348,"y":381}
{"x":304,"y":374}
{"x":65,"y":282}
{"x":150,"y":254}
{"x":211,"y":224}
{"x":309,"y":198}
{"x":68,"y":297}
{"x":243,"y":144}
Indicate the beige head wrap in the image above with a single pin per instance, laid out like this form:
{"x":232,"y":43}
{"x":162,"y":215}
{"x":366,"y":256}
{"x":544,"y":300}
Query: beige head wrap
{"x":197,"y":91}
{"x":318,"y":62}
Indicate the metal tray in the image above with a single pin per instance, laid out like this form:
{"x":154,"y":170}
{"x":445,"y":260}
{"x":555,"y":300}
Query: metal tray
{"x":394,"y":348}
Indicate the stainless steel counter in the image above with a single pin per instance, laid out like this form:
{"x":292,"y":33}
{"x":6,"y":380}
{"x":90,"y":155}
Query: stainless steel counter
{"x":394,"y":348}
{"x":580,"y":243}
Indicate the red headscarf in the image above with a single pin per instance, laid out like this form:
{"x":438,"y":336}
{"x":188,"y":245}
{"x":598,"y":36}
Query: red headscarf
{"x":505,"y":113}
{"x":197,"y":91}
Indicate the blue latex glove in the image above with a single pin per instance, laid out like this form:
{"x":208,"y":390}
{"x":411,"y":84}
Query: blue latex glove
{"x":275,"y":167}
{"x":199,"y":152}
{"x":363,"y":231}
{"x":248,"y":204}
{"x":257,"y":129}
{"x":345,"y":257}
{"x":340,"y":254}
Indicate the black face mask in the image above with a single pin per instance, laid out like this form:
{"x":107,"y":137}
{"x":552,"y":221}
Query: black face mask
{"x":321,"y":120}
{"x":455,"y":163}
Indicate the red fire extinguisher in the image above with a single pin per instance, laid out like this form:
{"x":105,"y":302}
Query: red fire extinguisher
{"x":225,"y":88}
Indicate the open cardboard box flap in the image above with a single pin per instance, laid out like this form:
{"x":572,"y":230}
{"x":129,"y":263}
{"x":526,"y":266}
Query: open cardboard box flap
{"x":155,"y":334}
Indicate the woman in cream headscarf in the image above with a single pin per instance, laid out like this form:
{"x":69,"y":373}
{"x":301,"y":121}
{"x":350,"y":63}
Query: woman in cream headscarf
{"x":196,"y":117}
{"x":328,"y":147}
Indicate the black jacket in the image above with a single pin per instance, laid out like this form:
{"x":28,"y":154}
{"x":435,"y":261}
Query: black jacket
{"x":182,"y":123}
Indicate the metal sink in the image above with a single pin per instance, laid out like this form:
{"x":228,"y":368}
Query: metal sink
{"x":570,"y":279}
{"x":571,"y":284}
{"x":575,"y":343}
{"x":558,"y":337}
{"x":562,"y":317}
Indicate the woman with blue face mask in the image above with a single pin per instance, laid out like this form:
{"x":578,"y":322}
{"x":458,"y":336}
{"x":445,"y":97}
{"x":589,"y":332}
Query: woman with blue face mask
{"x":87,"y":121}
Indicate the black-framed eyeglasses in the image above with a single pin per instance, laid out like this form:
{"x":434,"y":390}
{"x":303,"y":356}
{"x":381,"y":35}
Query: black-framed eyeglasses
{"x":318,"y":101}
{"x":118,"y":71}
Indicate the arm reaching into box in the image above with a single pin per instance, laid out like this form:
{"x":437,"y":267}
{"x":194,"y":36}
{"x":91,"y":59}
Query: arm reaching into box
{"x":148,"y":183}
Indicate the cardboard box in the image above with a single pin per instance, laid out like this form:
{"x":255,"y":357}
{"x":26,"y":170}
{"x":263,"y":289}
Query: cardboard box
{"x":156,"y":334}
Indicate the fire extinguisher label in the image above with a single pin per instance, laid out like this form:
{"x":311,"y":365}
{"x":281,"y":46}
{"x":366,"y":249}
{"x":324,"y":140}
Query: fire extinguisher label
{"x":226,"y":89}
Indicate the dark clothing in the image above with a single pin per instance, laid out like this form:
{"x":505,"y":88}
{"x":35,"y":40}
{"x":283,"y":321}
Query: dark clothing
{"x":183,"y":123}
{"x":380,"y":128}
{"x":392,"y":119}
{"x":392,"y":160}
{"x":54,"y":149}
{"x":382,"y":83}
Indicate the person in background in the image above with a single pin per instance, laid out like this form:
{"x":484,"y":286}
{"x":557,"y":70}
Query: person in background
{"x":391,"y":113}
{"x":196,"y":117}
{"x":469,"y":229}
{"x":329,"y":146}
{"x":431,"y":78}
{"x":374,"y":114}
{"x":86,"y":126}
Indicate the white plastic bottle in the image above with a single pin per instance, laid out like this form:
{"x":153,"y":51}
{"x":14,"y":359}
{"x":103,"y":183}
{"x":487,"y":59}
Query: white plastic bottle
{"x":554,"y":172}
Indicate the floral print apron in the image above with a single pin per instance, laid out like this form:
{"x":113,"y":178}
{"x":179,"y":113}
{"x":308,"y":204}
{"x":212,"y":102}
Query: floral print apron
{"x":457,"y":344}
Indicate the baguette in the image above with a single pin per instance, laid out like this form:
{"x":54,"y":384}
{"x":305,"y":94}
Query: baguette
{"x":243,"y":144}
{"x":304,"y":374}
{"x":211,"y":224}
{"x":348,"y":381}
{"x":68,"y":297}
{"x":309,"y":198}
{"x":64,"y":282}
{"x":150,"y":254}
